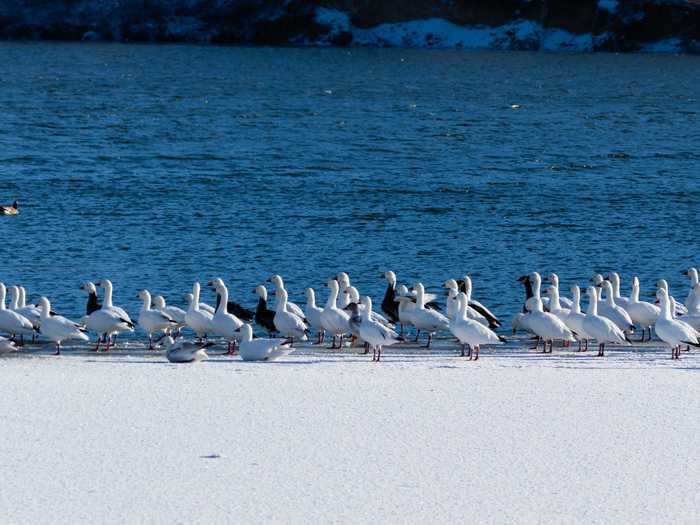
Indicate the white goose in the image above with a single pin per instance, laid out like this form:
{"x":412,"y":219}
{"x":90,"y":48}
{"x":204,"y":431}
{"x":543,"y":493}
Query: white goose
{"x":612,"y":311}
{"x":177,"y":314}
{"x":376,"y":334}
{"x":676,"y":307}
{"x":200,"y":321}
{"x":104,"y":321}
{"x":426,"y":319}
{"x":57,"y":328}
{"x":343,"y":293}
{"x":406,"y":308}
{"x":152,"y":321}
{"x":12,"y":322}
{"x":600,"y":328}
{"x":553,"y":278}
{"x":313,"y":314}
{"x":224,"y":323}
{"x":107,"y":301}
{"x":672,"y":331}
{"x":693,"y":317}
{"x":7,"y":346}
{"x":354,"y":297}
{"x":642,"y":313}
{"x":277,"y":281}
{"x":620,"y":301}
{"x":692,"y":302}
{"x":334,"y":320}
{"x":470,"y":332}
{"x":261,"y":349}
{"x":452,"y":302}
{"x":545,"y":325}
{"x":555,"y":306}
{"x":576,"y":318}
{"x":184,"y":351}
{"x":288,"y":324}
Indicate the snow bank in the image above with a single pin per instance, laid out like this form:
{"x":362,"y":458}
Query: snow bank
{"x":424,"y":437}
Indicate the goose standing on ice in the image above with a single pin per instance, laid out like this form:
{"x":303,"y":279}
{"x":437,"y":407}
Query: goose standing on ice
{"x":289,"y":324}
{"x":676,"y":307}
{"x":612,"y":311}
{"x":692,"y":302}
{"x":313,"y":314}
{"x":376,"y":334}
{"x":152,"y":321}
{"x":277,"y":281}
{"x":452,"y":304}
{"x":574,"y":321}
{"x":545,"y":325}
{"x":200,"y":321}
{"x":107,"y":301}
{"x":334,"y":320}
{"x":12,"y":322}
{"x":620,"y":301}
{"x":177,"y":314}
{"x":475,"y":307}
{"x":93,"y":303}
{"x":223,"y":323}
{"x":57,"y":328}
{"x":354,"y":297}
{"x":555,"y":306}
{"x":104,"y":321}
{"x":600,"y":328}
{"x":18,"y":305}
{"x":389,"y":304}
{"x":471,"y":333}
{"x":10,"y":209}
{"x":426,"y":319}
{"x":261,"y":349}
{"x":553,"y":279}
{"x":263,"y":315}
{"x":672,"y":331}
{"x":184,"y":351}
{"x":642,"y":313}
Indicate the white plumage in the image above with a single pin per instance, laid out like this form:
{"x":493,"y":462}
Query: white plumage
{"x":672,"y":331}
{"x":184,"y":351}
{"x":374,"y":332}
{"x":602,"y":329}
{"x":152,"y":321}
{"x":426,"y":319}
{"x":470,"y":332}
{"x":200,"y":321}
{"x":642,"y":313}
{"x":57,"y":328}
{"x":261,"y":349}
{"x":287,"y":323}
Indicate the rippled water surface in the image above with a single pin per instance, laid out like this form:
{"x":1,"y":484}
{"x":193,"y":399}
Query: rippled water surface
{"x":157,"y":165}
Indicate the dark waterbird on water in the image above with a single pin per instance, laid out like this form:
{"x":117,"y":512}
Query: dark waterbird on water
{"x":9,"y":209}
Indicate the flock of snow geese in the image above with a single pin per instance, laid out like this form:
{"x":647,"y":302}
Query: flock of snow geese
{"x":350,"y":319}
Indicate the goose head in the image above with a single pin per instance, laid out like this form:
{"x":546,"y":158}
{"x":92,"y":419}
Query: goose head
{"x":450,"y":284}
{"x":159,"y":301}
{"x":88,"y":287}
{"x":217,"y":283}
{"x":246,"y":332}
{"x":343,"y":279}
{"x":277,"y":281}
{"x":261,"y":291}
{"x":390,"y":277}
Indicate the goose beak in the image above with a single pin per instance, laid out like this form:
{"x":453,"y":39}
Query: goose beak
{"x":684,"y":273}
{"x":237,"y":330}
{"x":522,"y":278}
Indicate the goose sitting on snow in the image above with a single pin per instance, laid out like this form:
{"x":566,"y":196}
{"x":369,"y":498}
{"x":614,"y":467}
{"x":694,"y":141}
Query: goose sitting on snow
{"x":313,"y":314}
{"x":612,"y":311}
{"x":277,"y":281}
{"x":287,"y":323}
{"x":57,"y":328}
{"x":177,"y":314}
{"x":672,"y":331}
{"x":200,"y":321}
{"x":223,"y":323}
{"x":376,"y":334}
{"x":152,"y":321}
{"x":425,"y":319}
{"x":335,"y":321}
{"x":469,"y":332}
{"x":574,"y":321}
{"x":12,"y":322}
{"x":545,"y":325}
{"x":389,"y":305}
{"x":10,"y":209}
{"x":261,"y":349}
{"x":184,"y":351}
{"x":642,"y":313}
{"x":692,"y":302}
{"x":601,"y":328}
{"x":7,"y":346}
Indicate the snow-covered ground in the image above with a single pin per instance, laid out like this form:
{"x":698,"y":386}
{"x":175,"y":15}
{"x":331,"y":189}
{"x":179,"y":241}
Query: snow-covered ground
{"x":327,"y":437}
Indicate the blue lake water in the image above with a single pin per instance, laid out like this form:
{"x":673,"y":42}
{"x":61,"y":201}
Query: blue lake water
{"x":158,"y":165}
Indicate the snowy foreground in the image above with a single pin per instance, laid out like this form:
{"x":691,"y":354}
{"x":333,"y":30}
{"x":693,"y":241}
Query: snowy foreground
{"x":322,"y":437}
